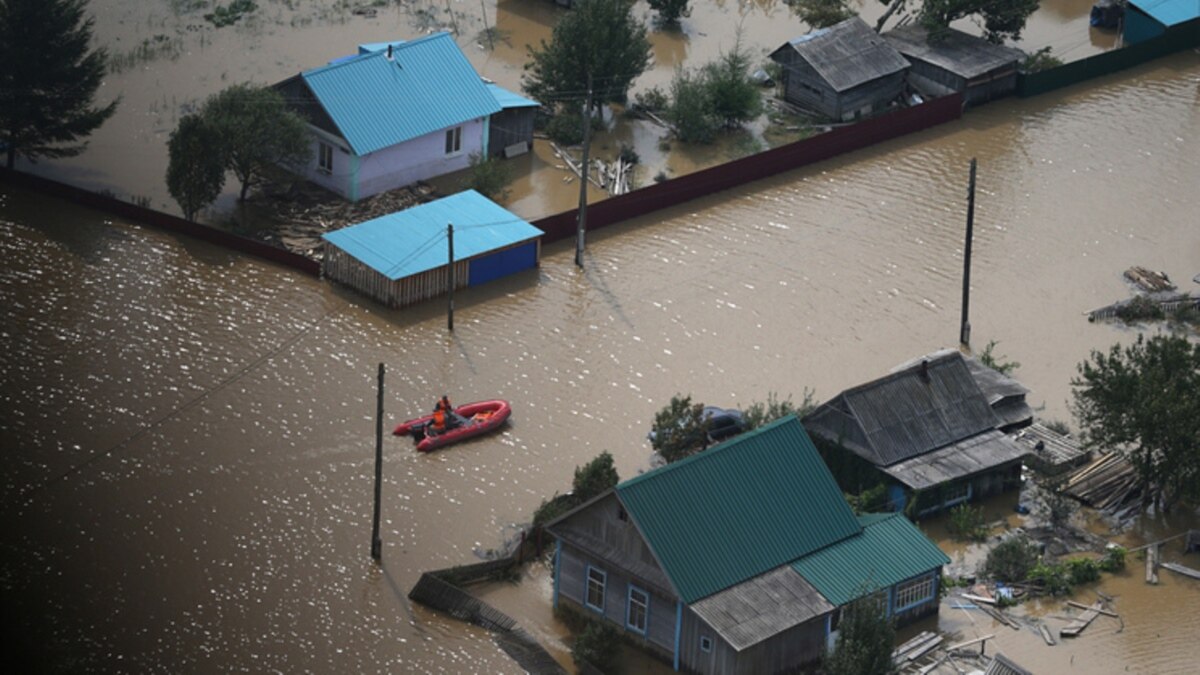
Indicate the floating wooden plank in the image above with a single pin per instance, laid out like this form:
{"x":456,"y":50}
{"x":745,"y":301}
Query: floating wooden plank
{"x":1149,"y":280}
{"x":1001,"y":617}
{"x":968,"y":643}
{"x":1076,"y":627}
{"x":1181,"y":569}
{"x":921,"y":639}
{"x":979,"y":598}
{"x":923,"y":649}
{"x":1046,"y":634}
{"x":1093,"y":608}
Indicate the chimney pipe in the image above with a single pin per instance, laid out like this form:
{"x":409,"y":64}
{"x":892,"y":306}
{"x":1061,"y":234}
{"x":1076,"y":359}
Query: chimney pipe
{"x":389,"y":53}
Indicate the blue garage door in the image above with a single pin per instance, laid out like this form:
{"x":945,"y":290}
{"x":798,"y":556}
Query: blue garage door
{"x":503,"y":263}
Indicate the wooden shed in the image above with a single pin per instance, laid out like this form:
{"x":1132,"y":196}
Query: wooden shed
{"x":739,"y":559}
{"x":957,"y":62}
{"x":404,"y":257}
{"x":510,"y":131}
{"x":846,"y":71}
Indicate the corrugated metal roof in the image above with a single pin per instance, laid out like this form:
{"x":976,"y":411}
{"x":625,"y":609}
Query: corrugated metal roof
{"x":965,"y":458}
{"x":1169,"y":12}
{"x":412,"y":241}
{"x":848,"y":54}
{"x":957,"y":52}
{"x":507,"y":99}
{"x":376,"y":103}
{"x":930,"y":405}
{"x":889,"y":550}
{"x":754,"y":610}
{"x":739,"y":509}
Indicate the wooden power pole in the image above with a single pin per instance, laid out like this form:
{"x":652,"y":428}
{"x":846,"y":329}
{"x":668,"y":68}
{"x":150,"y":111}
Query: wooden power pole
{"x":583,"y":184}
{"x":450,"y":271}
{"x":964,"y":334}
{"x":376,"y":542}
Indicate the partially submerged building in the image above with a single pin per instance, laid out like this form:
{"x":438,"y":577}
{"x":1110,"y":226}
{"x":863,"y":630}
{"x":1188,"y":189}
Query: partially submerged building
{"x":846,"y":71}
{"x":739,"y":559}
{"x":957,"y":62}
{"x":927,"y":431}
{"x":404,"y":257}
{"x":1148,"y":19}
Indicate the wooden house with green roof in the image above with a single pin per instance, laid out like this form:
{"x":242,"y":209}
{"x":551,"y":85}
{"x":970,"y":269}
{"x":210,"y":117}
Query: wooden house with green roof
{"x":738,"y":559}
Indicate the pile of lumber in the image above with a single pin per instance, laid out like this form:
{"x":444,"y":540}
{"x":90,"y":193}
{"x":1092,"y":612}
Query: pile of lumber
{"x":614,"y":176}
{"x":1106,"y":484}
{"x":915,"y":648}
{"x":1149,"y":281}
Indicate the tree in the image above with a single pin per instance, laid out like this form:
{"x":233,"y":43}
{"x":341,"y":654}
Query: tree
{"x":680,"y":429}
{"x":594,"y":477}
{"x":489,"y":177}
{"x":1143,"y":400}
{"x":864,"y":641}
{"x":690,"y":113}
{"x":196,"y":170}
{"x":821,"y":13}
{"x":1001,"y":19}
{"x":1000,"y":364}
{"x":597,"y":38}
{"x":759,"y":413}
{"x":257,"y":132}
{"x":734,"y":98}
{"x":669,"y":11}
{"x":48,"y":79}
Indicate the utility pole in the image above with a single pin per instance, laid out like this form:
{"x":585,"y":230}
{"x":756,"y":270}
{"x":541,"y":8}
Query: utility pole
{"x":964,"y":335}
{"x":583,"y":184}
{"x":450,"y":293}
{"x":376,"y":542}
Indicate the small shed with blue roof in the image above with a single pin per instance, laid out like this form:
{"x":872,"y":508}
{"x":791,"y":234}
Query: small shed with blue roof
{"x":739,"y":559}
{"x":395,"y":114}
{"x":1146,"y":19}
{"x":404,"y":257}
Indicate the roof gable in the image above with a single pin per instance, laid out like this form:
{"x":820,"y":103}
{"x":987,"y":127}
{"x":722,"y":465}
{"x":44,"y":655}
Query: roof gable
{"x":376,"y":102}
{"x":406,"y":242}
{"x":889,"y":550}
{"x":740,"y":509}
{"x":915,"y":410}
{"x":964,"y":55}
{"x":847,"y":54}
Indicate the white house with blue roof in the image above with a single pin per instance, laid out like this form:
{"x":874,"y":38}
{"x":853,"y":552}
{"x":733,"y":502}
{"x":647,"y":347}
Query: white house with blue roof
{"x":404,"y":257}
{"x":392,"y":115}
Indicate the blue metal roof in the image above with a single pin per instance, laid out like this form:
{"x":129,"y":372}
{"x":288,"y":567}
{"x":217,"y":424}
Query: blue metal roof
{"x":372,"y":47}
{"x":412,"y":241}
{"x":507,"y":99}
{"x":889,"y":550}
{"x":742,"y":508}
{"x":1169,"y":12}
{"x":427,"y":86}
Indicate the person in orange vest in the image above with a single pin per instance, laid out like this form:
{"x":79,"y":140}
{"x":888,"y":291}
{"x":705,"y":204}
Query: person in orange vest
{"x":439,"y":419}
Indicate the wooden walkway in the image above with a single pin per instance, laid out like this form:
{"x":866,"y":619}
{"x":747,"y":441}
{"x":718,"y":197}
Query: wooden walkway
{"x":1076,"y":627}
{"x":1181,"y":569}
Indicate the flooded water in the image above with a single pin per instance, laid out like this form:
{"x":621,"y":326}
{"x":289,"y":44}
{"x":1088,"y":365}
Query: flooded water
{"x":188,"y":433}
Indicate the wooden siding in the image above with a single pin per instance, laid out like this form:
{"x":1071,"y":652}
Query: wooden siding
{"x":803,"y":86}
{"x":996,"y":83}
{"x":508,"y":127}
{"x":599,"y":530}
{"x":572,"y":587}
{"x":784,"y":652}
{"x":344,"y":268}
{"x":300,"y":99}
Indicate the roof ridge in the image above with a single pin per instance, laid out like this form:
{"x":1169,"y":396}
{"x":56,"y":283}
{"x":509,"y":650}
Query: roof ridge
{"x":357,"y":58}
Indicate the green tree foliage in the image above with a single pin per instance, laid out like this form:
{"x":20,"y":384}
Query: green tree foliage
{"x":966,"y":523}
{"x":48,"y":78}
{"x":1011,"y":560}
{"x":864,"y":641}
{"x":690,"y":114}
{"x":759,"y":413}
{"x":821,"y":13}
{"x":1002,"y":19}
{"x":488,"y":176}
{"x":871,"y":500}
{"x":196,"y":170}
{"x":257,"y":132}
{"x":670,"y":11}
{"x":1144,"y":400}
{"x":1040,"y":60}
{"x":595,"y":477}
{"x":680,"y":429}
{"x":600,"y":38}
{"x":734,"y":98}
{"x":997,"y":363}
{"x":598,"y":645}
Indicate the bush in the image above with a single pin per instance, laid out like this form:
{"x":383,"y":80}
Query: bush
{"x":489,"y":177}
{"x":597,"y":645}
{"x":966,"y":523}
{"x":759,"y":413}
{"x":1083,"y":570}
{"x":691,"y":113}
{"x":864,"y":642}
{"x":1053,"y":579}
{"x":1054,"y":504}
{"x":553,"y":508}
{"x":1057,"y":426}
{"x":1114,"y":559}
{"x":669,"y":11}
{"x":628,"y":155}
{"x":1140,"y":308}
{"x":680,"y":429}
{"x":594,"y":477}
{"x":653,"y":99}
{"x":565,"y":129}
{"x":997,"y":363}
{"x":871,"y":500}
{"x":1040,"y":60}
{"x":1011,"y":560}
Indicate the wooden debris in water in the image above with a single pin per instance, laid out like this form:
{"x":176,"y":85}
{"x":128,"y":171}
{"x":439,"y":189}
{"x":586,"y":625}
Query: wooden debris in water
{"x":1151,"y":565}
{"x":1046,"y":634}
{"x":1076,"y":627}
{"x":1181,"y":569}
{"x":1148,"y":280}
{"x":916,"y":647}
{"x":1105,"y":484}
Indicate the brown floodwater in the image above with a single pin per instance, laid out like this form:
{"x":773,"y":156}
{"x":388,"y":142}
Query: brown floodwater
{"x":188,"y":433}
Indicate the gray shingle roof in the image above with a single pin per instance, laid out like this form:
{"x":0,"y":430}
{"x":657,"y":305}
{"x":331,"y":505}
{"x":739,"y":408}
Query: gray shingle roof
{"x":848,"y":54}
{"x":962,"y":54}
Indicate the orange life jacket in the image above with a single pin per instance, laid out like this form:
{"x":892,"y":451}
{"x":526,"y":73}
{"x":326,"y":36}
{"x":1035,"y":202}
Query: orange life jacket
{"x":439,"y":419}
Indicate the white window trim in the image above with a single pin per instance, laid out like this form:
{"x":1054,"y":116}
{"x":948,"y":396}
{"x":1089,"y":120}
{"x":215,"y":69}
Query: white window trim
{"x":705,"y":640}
{"x":641,"y":630}
{"x":324,"y":151}
{"x":587,"y":588}
{"x":456,"y":134}
{"x":915,"y":592}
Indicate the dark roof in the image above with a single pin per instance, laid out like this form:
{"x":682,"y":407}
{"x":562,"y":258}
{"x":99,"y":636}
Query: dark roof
{"x":847,"y":54}
{"x":927,"y":406}
{"x":962,"y":54}
{"x":1003,"y":393}
{"x":739,"y":509}
{"x":754,"y":610}
{"x":965,"y":458}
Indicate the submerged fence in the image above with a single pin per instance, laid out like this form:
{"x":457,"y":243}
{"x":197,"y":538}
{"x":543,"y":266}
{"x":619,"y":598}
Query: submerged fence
{"x":1173,"y":40}
{"x":755,"y":167}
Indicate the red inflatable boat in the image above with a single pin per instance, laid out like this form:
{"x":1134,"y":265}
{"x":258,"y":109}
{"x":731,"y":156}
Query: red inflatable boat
{"x":477,"y":418}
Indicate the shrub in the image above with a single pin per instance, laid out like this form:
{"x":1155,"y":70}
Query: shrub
{"x":997,"y":363}
{"x":864,"y":642}
{"x":1057,"y":426}
{"x":1011,"y":560}
{"x":552,"y":508}
{"x":759,"y":413}
{"x":669,"y":11}
{"x":594,"y":477}
{"x":1054,"y":505}
{"x":1083,"y":570}
{"x":1053,"y":578}
{"x":1114,"y":559}
{"x":1040,"y":60}
{"x":489,"y":177}
{"x":680,"y":429}
{"x":871,"y":500}
{"x":1140,"y":308}
{"x":565,"y":129}
{"x":691,"y":112}
{"x":597,"y":645}
{"x":628,"y":155}
{"x":653,"y":99}
{"x":966,"y":523}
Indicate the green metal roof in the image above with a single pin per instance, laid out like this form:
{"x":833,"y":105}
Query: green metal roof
{"x":742,"y":508}
{"x":889,"y":550}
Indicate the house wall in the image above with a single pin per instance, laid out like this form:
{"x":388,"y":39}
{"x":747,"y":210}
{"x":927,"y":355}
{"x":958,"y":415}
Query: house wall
{"x":1140,"y":26}
{"x":869,"y":97}
{"x":571,"y":587}
{"x":981,"y":485}
{"x":501,"y":263}
{"x":785,"y":652}
{"x":994,"y":84}
{"x":509,"y":127}
{"x":927,"y":74}
{"x":414,"y":160}
{"x":804,"y":87}
{"x":344,"y":268}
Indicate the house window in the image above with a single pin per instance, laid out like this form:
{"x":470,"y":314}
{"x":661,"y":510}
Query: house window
{"x":621,"y":515}
{"x":596,"y":580}
{"x":638,"y":608}
{"x":914,"y":592}
{"x":705,"y":643}
{"x":324,"y":157}
{"x":958,"y":492}
{"x":453,"y":140}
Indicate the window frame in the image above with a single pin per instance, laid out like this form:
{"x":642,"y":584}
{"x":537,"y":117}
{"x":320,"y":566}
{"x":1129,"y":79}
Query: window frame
{"x":587,"y":588}
{"x":919,"y":590}
{"x":629,"y":605}
{"x":454,"y":141}
{"x":324,"y":157}
{"x":706,"y":644}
